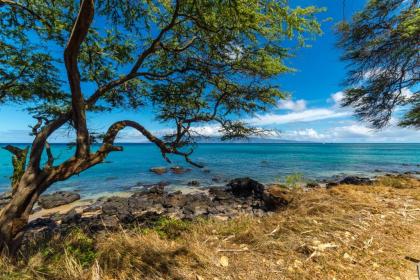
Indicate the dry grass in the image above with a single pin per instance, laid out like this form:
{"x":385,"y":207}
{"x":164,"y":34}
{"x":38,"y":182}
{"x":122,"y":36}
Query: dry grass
{"x":348,"y":232}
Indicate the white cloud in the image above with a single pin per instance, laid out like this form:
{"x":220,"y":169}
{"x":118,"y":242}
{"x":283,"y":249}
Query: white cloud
{"x":337,"y":97}
{"x":301,"y":114}
{"x":288,"y":104}
{"x":207,"y":130}
{"x":304,"y":116}
{"x":351,"y":131}
{"x":309,"y":134}
{"x":354,"y":132}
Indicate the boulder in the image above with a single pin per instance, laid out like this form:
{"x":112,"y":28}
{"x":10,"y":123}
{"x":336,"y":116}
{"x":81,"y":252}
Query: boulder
{"x":179,"y":170}
{"x":174,"y":200}
{"x":354,"y":180}
{"x":158,"y":170}
{"x":56,"y":199}
{"x":38,"y":231}
{"x":147,"y":200}
{"x":102,"y":222}
{"x":71,"y":217}
{"x":156,"y":189}
{"x":246,"y":187}
{"x":220,"y":194}
{"x":117,"y":206}
{"x":197,"y":205}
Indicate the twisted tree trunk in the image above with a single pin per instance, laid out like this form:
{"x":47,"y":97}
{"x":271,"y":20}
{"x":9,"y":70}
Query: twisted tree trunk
{"x":14,"y":216}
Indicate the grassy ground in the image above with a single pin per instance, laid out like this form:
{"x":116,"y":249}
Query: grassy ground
{"x":348,"y":232}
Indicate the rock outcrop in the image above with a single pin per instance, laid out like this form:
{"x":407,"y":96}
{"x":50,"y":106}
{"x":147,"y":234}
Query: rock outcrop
{"x":246,"y":187}
{"x":158,"y":170}
{"x":56,"y":199}
{"x":240,"y":196}
{"x":354,"y":180}
{"x":350,"y":180}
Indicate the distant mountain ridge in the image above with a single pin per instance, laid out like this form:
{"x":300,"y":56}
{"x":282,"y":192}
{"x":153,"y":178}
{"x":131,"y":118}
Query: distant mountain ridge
{"x":257,"y":140}
{"x":203,"y":140}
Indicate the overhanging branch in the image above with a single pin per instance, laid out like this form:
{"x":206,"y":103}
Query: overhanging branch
{"x":110,"y":136}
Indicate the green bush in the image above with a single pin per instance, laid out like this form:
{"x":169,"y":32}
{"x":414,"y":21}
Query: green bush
{"x":81,"y":247}
{"x":171,"y":228}
{"x":294,"y":180}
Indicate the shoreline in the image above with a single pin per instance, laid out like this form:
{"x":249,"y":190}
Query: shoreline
{"x":153,"y":196}
{"x":351,"y":229}
{"x":218,"y":181}
{"x":186,"y":188}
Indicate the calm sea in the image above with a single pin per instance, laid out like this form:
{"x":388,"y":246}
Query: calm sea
{"x":264,"y":162}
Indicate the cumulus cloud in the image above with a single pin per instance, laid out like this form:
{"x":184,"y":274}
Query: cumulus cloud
{"x":351,"y":131}
{"x":307,"y":134}
{"x":288,"y":104}
{"x":337,"y":97}
{"x":299,"y":112}
{"x":294,"y":117}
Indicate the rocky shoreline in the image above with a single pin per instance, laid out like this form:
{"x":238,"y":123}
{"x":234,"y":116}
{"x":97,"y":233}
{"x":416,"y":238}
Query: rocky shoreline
{"x":62,"y":211}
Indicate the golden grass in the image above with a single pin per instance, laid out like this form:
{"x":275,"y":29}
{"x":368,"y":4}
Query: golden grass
{"x":348,"y":232}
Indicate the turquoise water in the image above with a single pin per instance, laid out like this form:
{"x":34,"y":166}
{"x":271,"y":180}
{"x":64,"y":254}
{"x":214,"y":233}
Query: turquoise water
{"x":264,"y":162}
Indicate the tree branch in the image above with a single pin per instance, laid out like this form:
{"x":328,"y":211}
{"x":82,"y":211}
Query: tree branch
{"x":110,"y":136}
{"x":19,"y":164}
{"x":20,"y":6}
{"x":142,"y":57}
{"x":40,"y":140}
{"x":50,"y":156}
{"x":78,"y":35}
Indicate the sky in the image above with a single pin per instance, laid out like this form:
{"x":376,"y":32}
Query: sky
{"x":311,"y":114}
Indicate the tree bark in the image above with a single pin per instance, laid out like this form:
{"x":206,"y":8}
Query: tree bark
{"x":14,"y":216}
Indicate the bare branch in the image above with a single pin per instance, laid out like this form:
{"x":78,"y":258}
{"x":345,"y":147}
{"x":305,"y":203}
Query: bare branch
{"x":110,"y":136}
{"x":40,"y":140}
{"x":78,"y":35}
{"x":50,"y":156}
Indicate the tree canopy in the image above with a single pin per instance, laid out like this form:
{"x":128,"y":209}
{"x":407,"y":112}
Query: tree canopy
{"x":381,"y":44}
{"x":193,"y":61}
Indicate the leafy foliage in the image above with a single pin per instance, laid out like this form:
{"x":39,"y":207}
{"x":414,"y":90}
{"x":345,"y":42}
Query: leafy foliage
{"x":81,"y":247}
{"x":193,"y":60}
{"x":294,"y":180}
{"x":171,"y":228}
{"x":381,"y":46}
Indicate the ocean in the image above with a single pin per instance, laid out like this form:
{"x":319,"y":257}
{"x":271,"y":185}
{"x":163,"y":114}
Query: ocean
{"x":267,"y":163}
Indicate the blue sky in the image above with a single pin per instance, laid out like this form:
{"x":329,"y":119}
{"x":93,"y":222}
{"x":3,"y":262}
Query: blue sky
{"x":312,"y":113}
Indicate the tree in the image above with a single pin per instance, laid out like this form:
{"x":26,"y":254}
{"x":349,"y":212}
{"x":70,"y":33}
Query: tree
{"x":381,"y":44}
{"x":194,"y":61}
